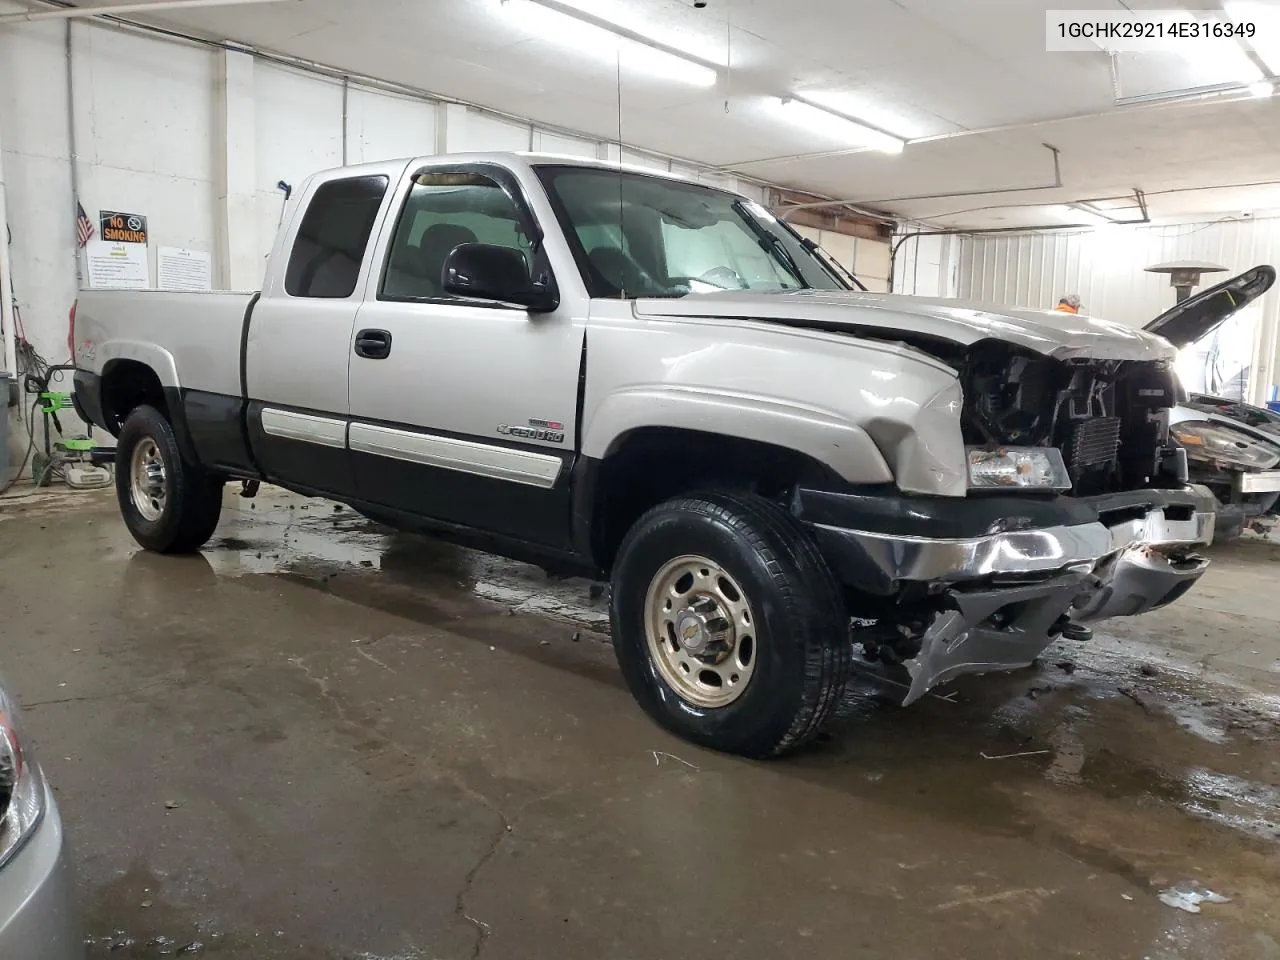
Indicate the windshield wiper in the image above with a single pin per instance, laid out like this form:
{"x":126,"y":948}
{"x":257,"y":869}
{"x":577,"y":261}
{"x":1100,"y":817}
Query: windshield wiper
{"x":770,"y":242}
{"x":832,"y":263}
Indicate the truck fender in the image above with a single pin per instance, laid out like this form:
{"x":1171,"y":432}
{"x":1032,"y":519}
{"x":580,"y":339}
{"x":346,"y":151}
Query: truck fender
{"x":840,"y":445}
{"x":156,"y":357}
{"x":160,"y":362}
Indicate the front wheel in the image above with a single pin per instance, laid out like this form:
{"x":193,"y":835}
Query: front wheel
{"x":728,"y":625}
{"x":168,"y":504}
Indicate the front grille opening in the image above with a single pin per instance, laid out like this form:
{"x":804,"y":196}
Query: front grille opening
{"x":1094,"y":442}
{"x":1121,"y":514}
{"x":1091,"y":451}
{"x":1105,"y":416}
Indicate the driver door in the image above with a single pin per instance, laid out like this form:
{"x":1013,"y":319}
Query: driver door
{"x":463,"y":411}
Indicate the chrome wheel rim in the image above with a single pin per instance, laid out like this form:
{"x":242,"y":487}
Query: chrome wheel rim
{"x":148,"y":482}
{"x":700,"y":631}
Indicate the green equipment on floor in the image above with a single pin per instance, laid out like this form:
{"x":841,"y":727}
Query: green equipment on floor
{"x":78,"y":461}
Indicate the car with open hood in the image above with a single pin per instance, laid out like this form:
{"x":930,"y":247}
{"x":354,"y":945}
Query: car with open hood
{"x":1232,"y":447}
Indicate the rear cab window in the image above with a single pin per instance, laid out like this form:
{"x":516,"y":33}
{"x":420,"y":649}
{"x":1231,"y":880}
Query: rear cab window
{"x":333,"y":236}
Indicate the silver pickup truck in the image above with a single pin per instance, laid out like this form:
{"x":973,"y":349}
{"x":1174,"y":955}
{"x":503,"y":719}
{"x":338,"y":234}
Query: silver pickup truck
{"x":632,"y":377}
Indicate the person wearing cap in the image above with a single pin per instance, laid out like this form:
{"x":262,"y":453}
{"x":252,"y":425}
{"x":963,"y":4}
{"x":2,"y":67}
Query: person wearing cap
{"x":1069,"y":304}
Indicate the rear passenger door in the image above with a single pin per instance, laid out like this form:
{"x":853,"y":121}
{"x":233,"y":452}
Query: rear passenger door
{"x":298,"y":344}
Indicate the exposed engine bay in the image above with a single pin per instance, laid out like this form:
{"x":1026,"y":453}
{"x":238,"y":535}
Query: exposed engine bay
{"x":1110,"y":421}
{"x":1108,"y":417}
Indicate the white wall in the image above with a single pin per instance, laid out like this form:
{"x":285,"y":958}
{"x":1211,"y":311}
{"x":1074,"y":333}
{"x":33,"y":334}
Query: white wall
{"x":547,"y":142}
{"x":297,"y":131}
{"x":926,"y":266}
{"x":382,"y":126}
{"x":196,"y":139}
{"x":1106,"y":268}
{"x":37,"y":171}
{"x":868,"y":260}
{"x":142,"y":147}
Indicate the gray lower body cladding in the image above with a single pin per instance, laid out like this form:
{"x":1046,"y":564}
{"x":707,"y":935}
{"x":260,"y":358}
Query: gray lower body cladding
{"x":990,"y":601}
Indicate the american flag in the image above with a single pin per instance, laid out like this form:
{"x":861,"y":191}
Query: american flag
{"x":84,"y":226}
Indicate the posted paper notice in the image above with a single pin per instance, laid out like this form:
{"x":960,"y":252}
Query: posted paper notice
{"x":118,"y":266}
{"x":178,"y":269}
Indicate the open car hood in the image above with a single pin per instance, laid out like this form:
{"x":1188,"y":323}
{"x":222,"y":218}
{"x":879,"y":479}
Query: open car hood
{"x":1199,"y":316}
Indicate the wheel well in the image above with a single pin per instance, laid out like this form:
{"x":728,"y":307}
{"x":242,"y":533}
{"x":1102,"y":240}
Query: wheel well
{"x":127,"y":384}
{"x":654,"y":464}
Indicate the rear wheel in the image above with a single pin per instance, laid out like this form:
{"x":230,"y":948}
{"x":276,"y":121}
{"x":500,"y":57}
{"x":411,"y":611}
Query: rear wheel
{"x":728,"y":625}
{"x":168,"y":504}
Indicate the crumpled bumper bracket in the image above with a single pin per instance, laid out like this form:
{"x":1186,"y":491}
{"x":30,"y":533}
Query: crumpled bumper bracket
{"x":993,"y":618}
{"x":957,"y":642}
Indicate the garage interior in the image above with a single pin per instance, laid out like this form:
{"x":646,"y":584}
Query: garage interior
{"x":321,"y":738}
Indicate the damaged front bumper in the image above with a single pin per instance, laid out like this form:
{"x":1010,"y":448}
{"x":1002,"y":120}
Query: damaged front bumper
{"x":993,"y":600}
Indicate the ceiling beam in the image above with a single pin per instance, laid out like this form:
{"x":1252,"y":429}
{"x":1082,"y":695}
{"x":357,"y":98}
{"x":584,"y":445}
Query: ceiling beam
{"x":78,"y":13}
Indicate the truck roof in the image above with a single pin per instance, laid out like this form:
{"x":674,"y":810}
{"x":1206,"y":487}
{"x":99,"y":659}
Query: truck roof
{"x":526,"y":159}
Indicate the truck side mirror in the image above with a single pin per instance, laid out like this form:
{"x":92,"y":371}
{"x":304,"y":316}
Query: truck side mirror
{"x":487,"y":271}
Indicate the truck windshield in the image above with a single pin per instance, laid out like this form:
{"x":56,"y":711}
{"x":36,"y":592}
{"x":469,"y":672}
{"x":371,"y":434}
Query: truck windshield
{"x":641,"y":236}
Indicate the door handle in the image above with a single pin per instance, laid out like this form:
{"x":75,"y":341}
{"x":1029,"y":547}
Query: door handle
{"x":373,"y":344}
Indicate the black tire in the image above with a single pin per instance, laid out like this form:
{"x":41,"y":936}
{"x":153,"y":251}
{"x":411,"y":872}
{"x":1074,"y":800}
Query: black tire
{"x":801,"y":635}
{"x":192,"y":499}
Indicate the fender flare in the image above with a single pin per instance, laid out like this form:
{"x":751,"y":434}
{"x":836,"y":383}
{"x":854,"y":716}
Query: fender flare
{"x":160,"y":362}
{"x":156,"y":357}
{"x":842,"y":446}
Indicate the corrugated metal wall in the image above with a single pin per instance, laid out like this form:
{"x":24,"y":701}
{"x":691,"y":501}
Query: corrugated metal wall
{"x":1106,"y":268}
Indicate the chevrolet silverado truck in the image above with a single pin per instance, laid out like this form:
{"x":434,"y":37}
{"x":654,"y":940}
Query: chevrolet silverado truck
{"x":635,"y":378}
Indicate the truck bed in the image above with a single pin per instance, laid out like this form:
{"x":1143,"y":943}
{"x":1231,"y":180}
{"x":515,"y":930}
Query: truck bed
{"x":192,"y":339}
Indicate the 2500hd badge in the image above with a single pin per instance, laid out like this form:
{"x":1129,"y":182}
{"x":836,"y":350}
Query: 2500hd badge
{"x":552,"y":431}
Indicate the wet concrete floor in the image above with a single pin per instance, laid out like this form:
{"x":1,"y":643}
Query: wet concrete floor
{"x":322,"y":740}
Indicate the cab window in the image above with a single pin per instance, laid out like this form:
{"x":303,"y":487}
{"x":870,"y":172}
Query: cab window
{"x":333,"y":235}
{"x":444,"y":210}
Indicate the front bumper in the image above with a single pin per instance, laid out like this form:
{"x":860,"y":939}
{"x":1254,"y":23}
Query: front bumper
{"x":38,"y":920}
{"x":1261,"y":481}
{"x":996,"y":599}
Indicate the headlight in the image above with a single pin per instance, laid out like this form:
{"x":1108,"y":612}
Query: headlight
{"x":1030,"y":468}
{"x":21,"y":785}
{"x":1214,"y":442}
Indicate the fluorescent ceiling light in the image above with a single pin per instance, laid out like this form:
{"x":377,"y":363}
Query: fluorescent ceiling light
{"x":837,"y":127}
{"x":593,"y":40}
{"x":1266,"y":42}
{"x":629,"y":18}
{"x":868,"y":109}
